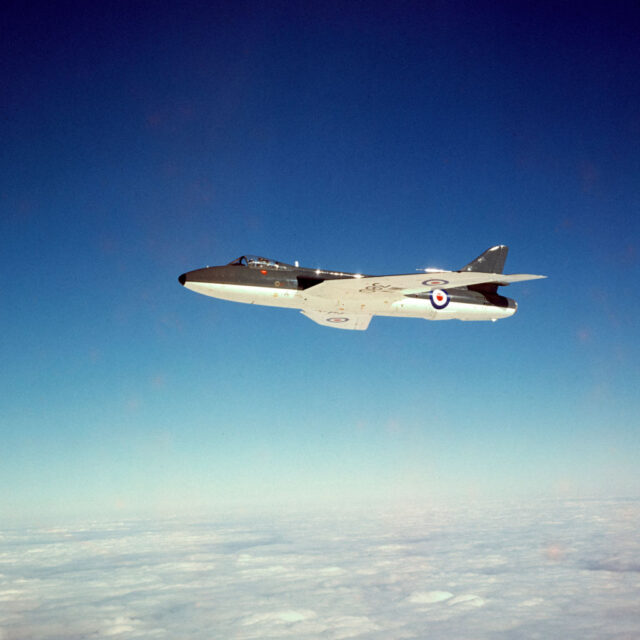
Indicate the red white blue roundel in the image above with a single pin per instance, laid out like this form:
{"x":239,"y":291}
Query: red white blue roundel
{"x":337,"y":319}
{"x":439,"y":298}
{"x":435,"y":282}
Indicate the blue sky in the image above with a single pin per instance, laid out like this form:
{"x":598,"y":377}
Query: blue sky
{"x":141,"y":142}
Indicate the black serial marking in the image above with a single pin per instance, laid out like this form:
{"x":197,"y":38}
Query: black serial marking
{"x":376,"y":288}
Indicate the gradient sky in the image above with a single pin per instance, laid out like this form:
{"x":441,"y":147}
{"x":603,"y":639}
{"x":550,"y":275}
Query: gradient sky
{"x":139,"y":142}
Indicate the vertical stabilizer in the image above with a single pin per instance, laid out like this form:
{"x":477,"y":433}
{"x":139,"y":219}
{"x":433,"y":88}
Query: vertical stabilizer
{"x":491,"y":261}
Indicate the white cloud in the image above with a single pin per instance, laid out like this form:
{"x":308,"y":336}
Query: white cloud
{"x":557,"y":570}
{"x":429,"y":597}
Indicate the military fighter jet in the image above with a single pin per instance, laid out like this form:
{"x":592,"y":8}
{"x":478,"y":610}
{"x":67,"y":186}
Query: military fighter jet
{"x":349,"y":300}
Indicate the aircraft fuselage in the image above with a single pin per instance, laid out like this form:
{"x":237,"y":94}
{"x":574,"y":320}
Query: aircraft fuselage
{"x":253,"y":280}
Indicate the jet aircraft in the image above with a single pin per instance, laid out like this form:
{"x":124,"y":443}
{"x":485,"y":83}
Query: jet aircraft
{"x":349,"y":300}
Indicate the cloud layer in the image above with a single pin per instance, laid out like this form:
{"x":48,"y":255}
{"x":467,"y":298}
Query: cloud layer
{"x":545,"y":570}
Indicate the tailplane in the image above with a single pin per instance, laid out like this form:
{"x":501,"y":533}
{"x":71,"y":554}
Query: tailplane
{"x":491,"y":261}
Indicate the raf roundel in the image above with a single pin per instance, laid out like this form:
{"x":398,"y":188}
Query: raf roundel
{"x":435,"y":282}
{"x":439,"y":298}
{"x":338,"y":319}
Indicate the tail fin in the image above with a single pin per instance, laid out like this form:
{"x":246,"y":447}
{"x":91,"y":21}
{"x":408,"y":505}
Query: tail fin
{"x":491,"y":261}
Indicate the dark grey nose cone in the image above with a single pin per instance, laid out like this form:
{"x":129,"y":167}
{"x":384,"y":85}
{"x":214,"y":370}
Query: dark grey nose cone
{"x":182,"y":279}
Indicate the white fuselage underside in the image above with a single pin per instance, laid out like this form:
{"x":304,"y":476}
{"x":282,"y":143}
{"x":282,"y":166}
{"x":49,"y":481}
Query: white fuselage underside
{"x":368,"y":304}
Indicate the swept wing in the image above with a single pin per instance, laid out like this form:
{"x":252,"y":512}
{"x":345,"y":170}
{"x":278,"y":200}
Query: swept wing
{"x":339,"y":320}
{"x":395,"y":287}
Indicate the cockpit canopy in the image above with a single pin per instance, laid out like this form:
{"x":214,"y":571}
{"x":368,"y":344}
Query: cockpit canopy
{"x":256,"y":262}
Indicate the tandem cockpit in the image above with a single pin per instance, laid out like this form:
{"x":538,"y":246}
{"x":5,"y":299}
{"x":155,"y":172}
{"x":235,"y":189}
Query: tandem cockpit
{"x":257,"y":262}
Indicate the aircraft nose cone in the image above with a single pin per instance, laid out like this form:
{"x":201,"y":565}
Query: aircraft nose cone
{"x":182,"y":279}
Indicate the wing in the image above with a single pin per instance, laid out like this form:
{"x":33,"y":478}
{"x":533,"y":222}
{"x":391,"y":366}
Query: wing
{"x":395,"y":287}
{"x":339,"y":320}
